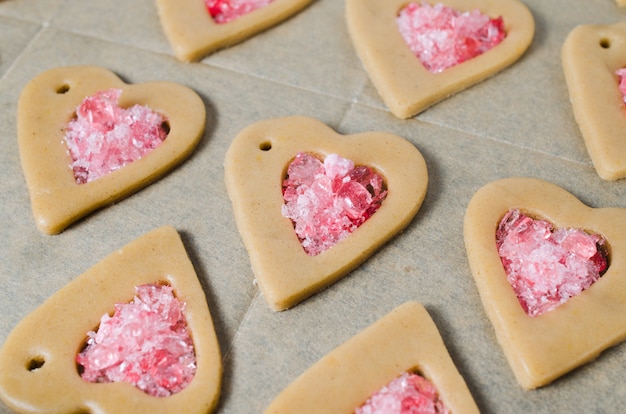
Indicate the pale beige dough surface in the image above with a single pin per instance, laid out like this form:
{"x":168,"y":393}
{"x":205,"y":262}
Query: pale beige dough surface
{"x":255,"y":167}
{"x":405,"y":340}
{"x":46,"y":105}
{"x":193,"y":33}
{"x":543,"y":348}
{"x":403,"y":83}
{"x":54,"y":333}
{"x":591,"y":54}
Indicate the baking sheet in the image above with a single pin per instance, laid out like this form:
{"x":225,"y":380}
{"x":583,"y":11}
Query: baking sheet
{"x":517,"y":123}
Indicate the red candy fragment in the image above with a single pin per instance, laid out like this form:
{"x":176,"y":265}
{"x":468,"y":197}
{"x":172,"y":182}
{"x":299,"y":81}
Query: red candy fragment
{"x":144,"y":343}
{"x":546,"y":266}
{"x":224,"y":11}
{"x":408,"y":394}
{"x":442,"y":37}
{"x":621,"y":74}
{"x":328,"y":201}
{"x":104,"y":137}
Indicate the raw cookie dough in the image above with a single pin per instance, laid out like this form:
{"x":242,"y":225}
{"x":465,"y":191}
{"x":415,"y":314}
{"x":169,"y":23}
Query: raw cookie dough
{"x":255,"y":166}
{"x":543,"y":348}
{"x":48,"y":103}
{"x":38,"y":371}
{"x":591,"y":54}
{"x":404,"y":340}
{"x":193,"y":33}
{"x":403,"y":83}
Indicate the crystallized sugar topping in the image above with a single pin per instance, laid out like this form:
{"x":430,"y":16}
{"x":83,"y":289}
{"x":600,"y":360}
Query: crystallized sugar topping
{"x":621,"y":74}
{"x":442,"y":37}
{"x":408,"y":394}
{"x":546,"y":267}
{"x":144,"y":343}
{"x":104,"y":137}
{"x":223,"y":11}
{"x":328,"y":200}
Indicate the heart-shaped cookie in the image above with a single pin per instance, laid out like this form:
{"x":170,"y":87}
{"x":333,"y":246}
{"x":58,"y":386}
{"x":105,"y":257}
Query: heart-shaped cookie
{"x":193,"y":33}
{"x":38,"y":369}
{"x":255,"y":167}
{"x":405,"y":340}
{"x":48,"y":103}
{"x":591,"y":55}
{"x":540,"y":349}
{"x":403,"y":83}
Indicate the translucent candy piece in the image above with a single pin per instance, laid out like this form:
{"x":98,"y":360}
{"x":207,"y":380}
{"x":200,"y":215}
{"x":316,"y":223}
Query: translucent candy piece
{"x":621,"y":74}
{"x":442,"y":37}
{"x":546,"y":266}
{"x":407,"y":394}
{"x":144,"y":343}
{"x":328,"y":200}
{"x":224,"y":11}
{"x":105,"y":137}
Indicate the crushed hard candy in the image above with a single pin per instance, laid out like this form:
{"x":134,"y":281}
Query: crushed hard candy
{"x":328,"y":200}
{"x":547,"y":266}
{"x":442,"y":37}
{"x":407,"y":394}
{"x":104,"y":137}
{"x":145,"y":343}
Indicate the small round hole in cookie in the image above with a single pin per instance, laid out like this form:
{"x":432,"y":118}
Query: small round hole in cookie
{"x":605,"y":43}
{"x":35,"y":363}
{"x":265,"y":146}
{"x":63,"y":89}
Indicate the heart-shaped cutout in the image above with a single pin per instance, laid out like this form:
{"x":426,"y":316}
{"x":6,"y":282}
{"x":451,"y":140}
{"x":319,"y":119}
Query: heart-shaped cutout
{"x":46,"y":106}
{"x":193,"y":33}
{"x":542,"y":348}
{"x":402,"y":81}
{"x":591,"y":55}
{"x":255,"y":167}
{"x":405,"y":340}
{"x":38,"y":369}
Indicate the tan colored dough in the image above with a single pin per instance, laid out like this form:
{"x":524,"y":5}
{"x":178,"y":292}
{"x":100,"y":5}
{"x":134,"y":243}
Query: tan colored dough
{"x":543,"y":348}
{"x":193,"y":33}
{"x":591,"y":54}
{"x":55,"y":332}
{"x":255,"y":166}
{"x":403,"y":83}
{"x":621,"y":3}
{"x":405,"y":340}
{"x":48,"y":103}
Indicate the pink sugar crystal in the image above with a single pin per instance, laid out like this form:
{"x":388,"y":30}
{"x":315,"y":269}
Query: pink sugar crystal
{"x":328,"y":201}
{"x":546,"y":267}
{"x":224,"y":11}
{"x":104,"y":137}
{"x":144,"y":343}
{"x":621,"y":74}
{"x":442,"y":37}
{"x":407,"y":394}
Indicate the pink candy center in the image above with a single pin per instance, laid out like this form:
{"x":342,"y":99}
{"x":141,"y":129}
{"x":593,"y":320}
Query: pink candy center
{"x":408,"y":394}
{"x":547,"y":267}
{"x":224,"y":11}
{"x":442,"y":37}
{"x":104,"y":137}
{"x":145,"y":343}
{"x":621,"y":74}
{"x":327,"y":201}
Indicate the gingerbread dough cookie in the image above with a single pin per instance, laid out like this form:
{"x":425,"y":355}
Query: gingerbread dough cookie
{"x":543,"y":348}
{"x":38,"y":370}
{"x":48,"y":103}
{"x":403,"y":83}
{"x":255,"y":167}
{"x":405,"y":340}
{"x":591,"y":55}
{"x":193,"y":34}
